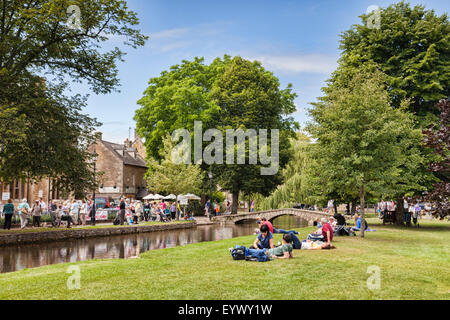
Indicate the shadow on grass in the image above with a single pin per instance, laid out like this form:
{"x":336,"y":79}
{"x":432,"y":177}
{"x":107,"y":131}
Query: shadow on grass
{"x":422,"y":227}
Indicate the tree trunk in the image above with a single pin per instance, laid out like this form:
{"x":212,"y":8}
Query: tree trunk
{"x":399,"y":214}
{"x":235,"y":202}
{"x":335,"y":207}
{"x":353,"y":211}
{"x":362,"y":216}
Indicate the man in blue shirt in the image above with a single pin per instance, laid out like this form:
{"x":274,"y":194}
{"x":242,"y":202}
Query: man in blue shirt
{"x":264,"y":239}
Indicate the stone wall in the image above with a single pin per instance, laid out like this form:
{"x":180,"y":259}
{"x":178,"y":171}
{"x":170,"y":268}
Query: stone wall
{"x":68,"y":234}
{"x":112,"y":168}
{"x":128,"y":173}
{"x":307,"y":215}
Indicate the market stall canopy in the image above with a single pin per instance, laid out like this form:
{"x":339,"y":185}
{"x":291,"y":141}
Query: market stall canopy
{"x":191,"y":196}
{"x":149,"y":197}
{"x":170,"y":197}
{"x":158,"y":197}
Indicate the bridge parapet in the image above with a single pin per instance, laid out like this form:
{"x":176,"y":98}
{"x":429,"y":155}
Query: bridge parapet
{"x":308,"y":215}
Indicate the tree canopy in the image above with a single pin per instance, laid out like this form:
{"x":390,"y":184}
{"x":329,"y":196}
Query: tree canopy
{"x":411,"y":47}
{"x":40,"y":55}
{"x":228,"y":94}
{"x":362,"y":142}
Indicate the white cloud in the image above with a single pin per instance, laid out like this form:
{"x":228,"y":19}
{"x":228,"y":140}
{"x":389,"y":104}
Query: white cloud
{"x":310,"y":63}
{"x":170,"y":33}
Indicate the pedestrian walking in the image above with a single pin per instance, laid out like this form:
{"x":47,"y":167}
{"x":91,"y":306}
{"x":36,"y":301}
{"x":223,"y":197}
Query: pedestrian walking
{"x":147,"y":209}
{"x":122,"y":208}
{"x":173,"y":210}
{"x":137,"y":211}
{"x":75,"y":211}
{"x":24,"y":211}
{"x":83,"y":212}
{"x":36,"y":212}
{"x":8,"y":211}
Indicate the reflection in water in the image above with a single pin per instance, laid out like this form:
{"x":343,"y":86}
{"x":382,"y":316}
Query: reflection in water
{"x":14,"y":258}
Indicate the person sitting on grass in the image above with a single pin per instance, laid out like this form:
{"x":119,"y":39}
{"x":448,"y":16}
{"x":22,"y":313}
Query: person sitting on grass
{"x":316,"y":245}
{"x":327,"y":231}
{"x":264,"y":240}
{"x":262,"y":221}
{"x":285,"y":251}
{"x":358,"y":225}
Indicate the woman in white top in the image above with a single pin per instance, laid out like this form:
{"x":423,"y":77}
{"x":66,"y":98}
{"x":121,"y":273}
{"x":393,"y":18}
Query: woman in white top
{"x":83,"y":212}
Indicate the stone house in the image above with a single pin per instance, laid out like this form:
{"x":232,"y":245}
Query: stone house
{"x":123,"y":168}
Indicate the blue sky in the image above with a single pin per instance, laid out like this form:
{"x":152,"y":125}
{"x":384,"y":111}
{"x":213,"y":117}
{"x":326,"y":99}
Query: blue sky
{"x":297,"y":40}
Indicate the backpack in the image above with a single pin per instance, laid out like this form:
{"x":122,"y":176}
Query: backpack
{"x":238,"y":253}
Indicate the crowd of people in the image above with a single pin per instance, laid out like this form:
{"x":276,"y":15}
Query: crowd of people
{"x":78,"y":212}
{"x":149,"y":211}
{"x":411,"y":210}
{"x":71,"y":211}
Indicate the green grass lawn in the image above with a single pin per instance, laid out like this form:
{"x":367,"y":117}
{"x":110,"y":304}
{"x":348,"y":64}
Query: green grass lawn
{"x":414,"y":264}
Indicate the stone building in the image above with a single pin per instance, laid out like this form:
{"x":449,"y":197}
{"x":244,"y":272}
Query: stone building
{"x":123,"y":168}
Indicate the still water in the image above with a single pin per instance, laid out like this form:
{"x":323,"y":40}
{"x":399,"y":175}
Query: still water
{"x":14,"y":258}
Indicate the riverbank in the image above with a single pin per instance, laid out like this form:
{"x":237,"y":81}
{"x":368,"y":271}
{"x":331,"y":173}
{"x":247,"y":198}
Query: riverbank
{"x":413,"y":263}
{"x":41,"y":235}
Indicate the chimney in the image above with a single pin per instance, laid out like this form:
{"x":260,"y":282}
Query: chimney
{"x":98,"y":135}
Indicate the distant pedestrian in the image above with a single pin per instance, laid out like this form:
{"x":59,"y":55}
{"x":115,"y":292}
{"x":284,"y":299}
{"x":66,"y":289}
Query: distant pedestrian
{"x":83,"y":212}
{"x":208,"y":208}
{"x":24,"y":211}
{"x":122,"y":208}
{"x":147,"y":210}
{"x":44,"y":207}
{"x":75,"y":210}
{"x":91,"y":210}
{"x":8,"y":211}
{"x":416,"y":215}
{"x":173,"y":210}
{"x":36,"y":212}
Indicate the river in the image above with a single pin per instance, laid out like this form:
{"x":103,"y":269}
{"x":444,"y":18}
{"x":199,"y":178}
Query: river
{"x":15,"y":258}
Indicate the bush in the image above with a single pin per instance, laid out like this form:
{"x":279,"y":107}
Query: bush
{"x":195,"y":208}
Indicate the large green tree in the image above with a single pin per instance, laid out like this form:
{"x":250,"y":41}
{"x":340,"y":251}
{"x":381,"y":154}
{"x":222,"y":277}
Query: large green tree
{"x":411,"y":46}
{"x":44,"y":46}
{"x":250,"y":98}
{"x":228,"y":94}
{"x":363,"y":143}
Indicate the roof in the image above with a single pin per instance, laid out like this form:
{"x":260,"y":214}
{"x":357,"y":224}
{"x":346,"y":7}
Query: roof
{"x":126,"y":154}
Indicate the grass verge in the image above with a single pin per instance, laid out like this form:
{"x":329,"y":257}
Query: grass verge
{"x":414,"y":264}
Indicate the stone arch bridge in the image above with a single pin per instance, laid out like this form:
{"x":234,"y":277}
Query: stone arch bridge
{"x":307,"y":215}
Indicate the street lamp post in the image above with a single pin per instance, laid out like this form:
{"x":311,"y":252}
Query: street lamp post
{"x":210,"y":175}
{"x":93,"y":212}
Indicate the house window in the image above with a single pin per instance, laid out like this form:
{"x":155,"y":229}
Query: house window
{"x":22,"y":190}
{"x":16,"y":189}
